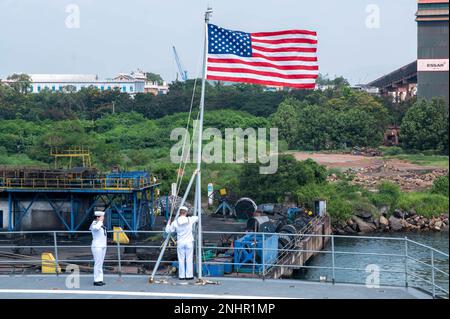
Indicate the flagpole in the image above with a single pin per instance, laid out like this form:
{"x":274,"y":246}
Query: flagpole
{"x":199,"y":145}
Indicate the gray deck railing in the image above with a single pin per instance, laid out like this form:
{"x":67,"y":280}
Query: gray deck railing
{"x":412,"y":264}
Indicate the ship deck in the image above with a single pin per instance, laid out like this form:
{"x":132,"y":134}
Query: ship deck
{"x":137,"y":287}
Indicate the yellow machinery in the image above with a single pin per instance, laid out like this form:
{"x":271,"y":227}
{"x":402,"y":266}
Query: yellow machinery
{"x":49,"y":264}
{"x":120,"y":236}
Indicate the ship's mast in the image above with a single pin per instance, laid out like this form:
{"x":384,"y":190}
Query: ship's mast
{"x":198,"y":194}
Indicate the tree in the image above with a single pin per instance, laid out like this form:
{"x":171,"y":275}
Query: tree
{"x":153,"y":77}
{"x":287,"y":120}
{"x":291,"y":174}
{"x":425,"y":126}
{"x":21,"y":82}
{"x":349,"y":118}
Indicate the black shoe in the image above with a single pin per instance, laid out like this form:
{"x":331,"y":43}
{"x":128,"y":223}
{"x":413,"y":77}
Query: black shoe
{"x":181,"y":278}
{"x":103,"y":283}
{"x":98,"y":283}
{"x":190,"y":278}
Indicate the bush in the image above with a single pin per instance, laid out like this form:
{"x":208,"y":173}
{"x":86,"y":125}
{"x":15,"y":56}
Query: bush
{"x":388,"y":195}
{"x":392,"y":151}
{"x":339,"y":210}
{"x":291,"y":175}
{"x":307,"y":194}
{"x":425,"y":204}
{"x":425,"y":126}
{"x":440,"y":186}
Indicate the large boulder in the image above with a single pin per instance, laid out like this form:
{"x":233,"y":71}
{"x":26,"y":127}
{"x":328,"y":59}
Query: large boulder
{"x":384,"y":210}
{"x":438,"y":225}
{"x":364,"y":214}
{"x":363,"y":226}
{"x":395,"y":223}
{"x":349,"y":230}
{"x":384,"y":222}
{"x":399,"y":214}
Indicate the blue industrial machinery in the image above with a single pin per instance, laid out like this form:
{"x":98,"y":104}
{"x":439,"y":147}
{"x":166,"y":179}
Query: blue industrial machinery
{"x":128,"y":199}
{"x":248,"y":251}
{"x":133,"y":179}
{"x":182,"y":72}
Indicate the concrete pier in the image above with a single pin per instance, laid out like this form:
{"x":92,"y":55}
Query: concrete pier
{"x":295,"y":260}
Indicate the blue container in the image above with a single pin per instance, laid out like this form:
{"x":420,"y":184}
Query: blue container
{"x":227,"y":264}
{"x":208,"y":270}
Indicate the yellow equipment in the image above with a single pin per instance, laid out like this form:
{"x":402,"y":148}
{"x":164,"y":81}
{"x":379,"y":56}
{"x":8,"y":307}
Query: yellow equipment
{"x":48,"y":264}
{"x":223,"y":192}
{"x":120,"y":236}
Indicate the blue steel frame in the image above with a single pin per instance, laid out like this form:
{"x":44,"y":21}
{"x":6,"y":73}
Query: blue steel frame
{"x":142,"y":202}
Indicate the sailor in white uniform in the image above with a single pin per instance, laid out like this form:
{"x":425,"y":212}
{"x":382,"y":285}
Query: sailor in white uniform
{"x":185,"y":242}
{"x":98,"y":247}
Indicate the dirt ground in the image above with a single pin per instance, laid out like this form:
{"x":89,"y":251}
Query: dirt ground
{"x":369,"y":171}
{"x":349,"y":161}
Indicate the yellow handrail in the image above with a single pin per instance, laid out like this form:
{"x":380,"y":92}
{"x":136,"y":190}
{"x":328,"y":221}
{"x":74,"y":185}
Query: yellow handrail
{"x":94,"y":183}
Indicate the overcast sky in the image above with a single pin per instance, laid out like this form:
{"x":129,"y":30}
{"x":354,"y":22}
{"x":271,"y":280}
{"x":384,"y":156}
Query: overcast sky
{"x":121,"y":36}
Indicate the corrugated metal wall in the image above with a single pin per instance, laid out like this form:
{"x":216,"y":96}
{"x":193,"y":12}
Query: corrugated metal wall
{"x":433,"y":44}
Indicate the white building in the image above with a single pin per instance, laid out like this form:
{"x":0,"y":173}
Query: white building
{"x":135,"y":82}
{"x":76,"y":82}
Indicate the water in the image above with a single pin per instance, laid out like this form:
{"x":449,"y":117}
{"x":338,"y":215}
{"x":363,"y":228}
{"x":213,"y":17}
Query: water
{"x":391,"y":268}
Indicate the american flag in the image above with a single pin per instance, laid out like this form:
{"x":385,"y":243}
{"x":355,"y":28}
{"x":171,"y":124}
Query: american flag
{"x":281,"y":58}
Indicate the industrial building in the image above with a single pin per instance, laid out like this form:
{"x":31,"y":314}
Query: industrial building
{"x":400,"y":85}
{"x":65,"y":199}
{"x":427,"y":77}
{"x":432,"y":51}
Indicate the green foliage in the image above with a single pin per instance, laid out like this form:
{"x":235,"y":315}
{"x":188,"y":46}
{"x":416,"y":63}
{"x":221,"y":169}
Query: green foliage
{"x":290,"y":175}
{"x":425,"y":204}
{"x":423,"y":159}
{"x":441,"y":186}
{"x":343,"y":199}
{"x":392,"y":151}
{"x":388,"y":195}
{"x":153,"y":77}
{"x":339,"y":209}
{"x":425,"y":126}
{"x":347,"y":119}
{"x":21,"y":84}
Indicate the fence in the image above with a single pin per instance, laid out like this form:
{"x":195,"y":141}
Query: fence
{"x":411,"y":264}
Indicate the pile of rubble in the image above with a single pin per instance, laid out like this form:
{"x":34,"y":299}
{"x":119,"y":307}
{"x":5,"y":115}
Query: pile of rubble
{"x":408,"y":180}
{"x":366,"y":151}
{"x":398,"y":221}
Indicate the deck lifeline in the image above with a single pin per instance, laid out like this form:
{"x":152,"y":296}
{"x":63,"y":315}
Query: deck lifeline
{"x":136,"y":287}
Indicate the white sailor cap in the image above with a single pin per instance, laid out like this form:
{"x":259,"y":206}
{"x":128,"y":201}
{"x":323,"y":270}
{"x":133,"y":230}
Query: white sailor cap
{"x":184,"y":208}
{"x":99,"y":213}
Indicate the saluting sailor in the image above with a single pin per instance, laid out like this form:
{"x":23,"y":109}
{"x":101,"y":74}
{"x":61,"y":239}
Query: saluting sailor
{"x":98,"y":247}
{"x":185,"y":242}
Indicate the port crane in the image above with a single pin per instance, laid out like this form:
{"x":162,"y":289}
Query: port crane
{"x":183,"y":73}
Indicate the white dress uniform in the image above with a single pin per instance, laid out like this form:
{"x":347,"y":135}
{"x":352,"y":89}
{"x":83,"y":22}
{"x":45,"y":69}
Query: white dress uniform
{"x":98,"y":247}
{"x":185,"y":244}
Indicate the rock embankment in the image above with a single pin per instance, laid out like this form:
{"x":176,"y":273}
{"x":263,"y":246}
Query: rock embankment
{"x":398,"y":221}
